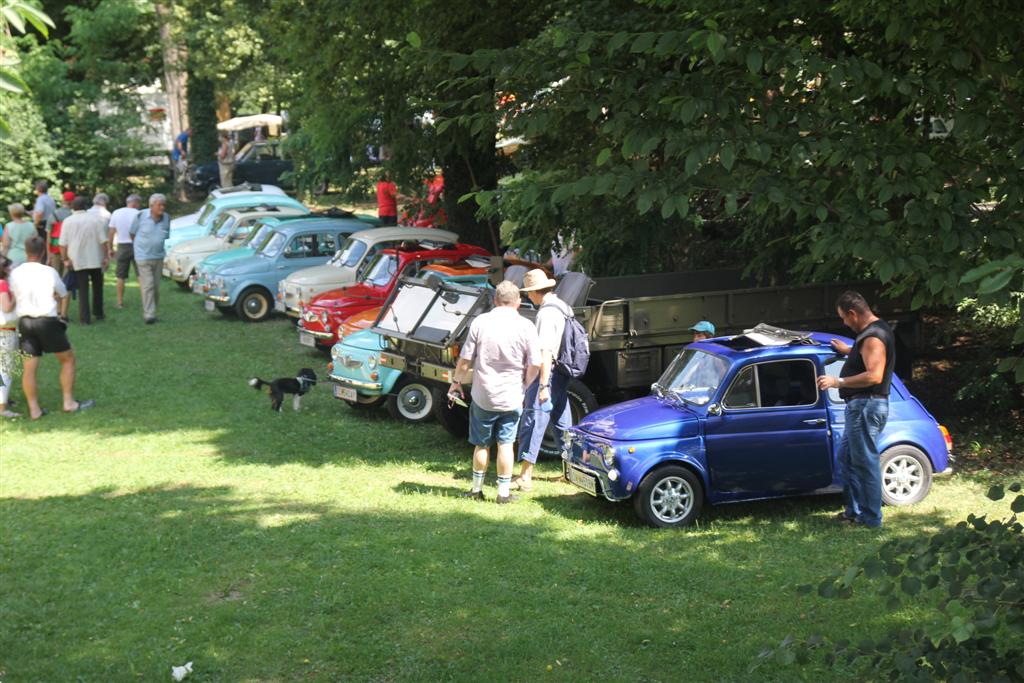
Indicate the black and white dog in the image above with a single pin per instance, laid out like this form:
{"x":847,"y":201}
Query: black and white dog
{"x":297,"y":386}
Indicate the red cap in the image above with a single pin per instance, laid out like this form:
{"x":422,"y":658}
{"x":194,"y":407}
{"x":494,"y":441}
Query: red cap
{"x":69,"y":196}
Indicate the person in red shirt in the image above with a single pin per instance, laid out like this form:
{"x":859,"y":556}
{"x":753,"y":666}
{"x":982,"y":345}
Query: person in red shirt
{"x":387,"y":201}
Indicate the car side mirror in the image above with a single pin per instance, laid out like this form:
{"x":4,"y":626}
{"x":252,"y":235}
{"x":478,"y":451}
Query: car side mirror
{"x":714,"y":409}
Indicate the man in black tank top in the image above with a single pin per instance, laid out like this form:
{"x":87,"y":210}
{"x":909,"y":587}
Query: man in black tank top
{"x":864,"y":384}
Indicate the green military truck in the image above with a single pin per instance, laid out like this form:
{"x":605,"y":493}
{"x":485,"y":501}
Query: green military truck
{"x":636,"y":326}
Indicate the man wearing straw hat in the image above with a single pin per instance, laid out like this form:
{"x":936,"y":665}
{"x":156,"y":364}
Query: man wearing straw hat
{"x":547,"y":397}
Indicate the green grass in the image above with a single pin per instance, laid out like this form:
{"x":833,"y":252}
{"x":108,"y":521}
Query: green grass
{"x":182,"y":520}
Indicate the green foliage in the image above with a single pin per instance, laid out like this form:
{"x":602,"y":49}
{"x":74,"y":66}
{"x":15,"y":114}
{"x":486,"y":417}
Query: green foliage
{"x":26,"y":155}
{"x":1003,"y":280}
{"x":974,"y":573}
{"x":15,"y":17}
{"x":812,"y":123}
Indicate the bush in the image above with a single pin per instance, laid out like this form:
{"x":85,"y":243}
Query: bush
{"x":975,"y":570}
{"x":26,"y":155}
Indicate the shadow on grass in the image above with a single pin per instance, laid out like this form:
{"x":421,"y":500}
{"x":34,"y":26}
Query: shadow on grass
{"x":109,"y":586}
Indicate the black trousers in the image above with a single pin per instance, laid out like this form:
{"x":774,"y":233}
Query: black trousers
{"x":85,"y":278}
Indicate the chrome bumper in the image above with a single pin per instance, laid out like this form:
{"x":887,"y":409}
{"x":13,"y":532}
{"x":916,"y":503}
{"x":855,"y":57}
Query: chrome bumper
{"x":359,"y":385}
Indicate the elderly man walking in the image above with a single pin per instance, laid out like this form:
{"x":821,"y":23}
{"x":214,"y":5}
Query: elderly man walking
{"x":547,"y":397}
{"x":121,"y":235}
{"x":148,"y":231}
{"x":864,"y":384}
{"x":99,"y":206}
{"x":85,"y":248}
{"x":44,"y":210}
{"x":37,"y":288}
{"x":503,"y":350}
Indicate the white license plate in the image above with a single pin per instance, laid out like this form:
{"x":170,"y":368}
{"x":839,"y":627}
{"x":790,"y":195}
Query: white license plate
{"x":307,"y":339}
{"x":344,"y":393}
{"x":279,"y":306}
{"x":209,"y":305}
{"x":585,"y":481}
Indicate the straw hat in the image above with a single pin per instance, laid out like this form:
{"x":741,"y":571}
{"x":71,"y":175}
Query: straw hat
{"x":536,"y":279}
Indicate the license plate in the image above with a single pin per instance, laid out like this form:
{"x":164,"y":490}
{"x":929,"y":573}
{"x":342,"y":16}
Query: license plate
{"x":307,"y":339}
{"x":209,"y":305}
{"x":279,"y":306}
{"x":166,"y":272}
{"x":344,"y":393}
{"x":587,"y":482}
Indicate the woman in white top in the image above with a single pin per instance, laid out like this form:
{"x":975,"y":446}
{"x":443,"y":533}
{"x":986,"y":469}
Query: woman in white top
{"x":8,"y":339}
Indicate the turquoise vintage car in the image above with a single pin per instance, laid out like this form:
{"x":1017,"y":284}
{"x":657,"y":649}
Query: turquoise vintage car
{"x":361,"y":381}
{"x":253,"y":242}
{"x":215,"y":208}
{"x":249,"y":285}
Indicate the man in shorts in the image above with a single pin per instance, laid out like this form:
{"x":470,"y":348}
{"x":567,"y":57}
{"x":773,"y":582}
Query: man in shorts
{"x":37,"y":288}
{"x":120,"y":234}
{"x":503,"y":351}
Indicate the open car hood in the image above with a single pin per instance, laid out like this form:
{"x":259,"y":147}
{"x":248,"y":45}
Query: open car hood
{"x":430,"y":311}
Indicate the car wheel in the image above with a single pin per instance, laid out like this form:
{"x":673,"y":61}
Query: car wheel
{"x":670,"y":496}
{"x":367,"y":404}
{"x":253,"y":305}
{"x":906,"y":475}
{"x":581,"y":402}
{"x":412,"y":401}
{"x":454,"y":419}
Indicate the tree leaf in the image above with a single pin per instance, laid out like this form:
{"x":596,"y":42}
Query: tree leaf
{"x":414,"y":39}
{"x":603,"y":156}
{"x":996,"y":492}
{"x":994,"y":283}
{"x":667,"y":208}
{"x":727,"y":156}
{"x":754,"y":60}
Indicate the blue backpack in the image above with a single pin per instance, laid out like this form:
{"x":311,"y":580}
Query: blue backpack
{"x":574,"y":351}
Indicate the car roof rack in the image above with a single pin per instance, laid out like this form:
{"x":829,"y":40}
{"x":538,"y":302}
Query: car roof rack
{"x":333,"y":212}
{"x":243,"y":187}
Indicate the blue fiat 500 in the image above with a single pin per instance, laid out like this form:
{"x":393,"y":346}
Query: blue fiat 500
{"x":249,"y":284}
{"x":741,"y":418}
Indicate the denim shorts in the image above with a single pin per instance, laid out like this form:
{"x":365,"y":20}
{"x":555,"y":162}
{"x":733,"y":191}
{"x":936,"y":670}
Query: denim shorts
{"x":489,"y":426}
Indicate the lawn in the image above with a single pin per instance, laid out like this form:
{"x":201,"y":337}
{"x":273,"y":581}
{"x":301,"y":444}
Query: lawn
{"x":181,"y":520}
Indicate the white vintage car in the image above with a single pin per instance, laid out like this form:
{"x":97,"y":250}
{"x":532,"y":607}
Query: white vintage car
{"x":299,"y":288}
{"x":242,"y":189}
{"x":227,"y":232}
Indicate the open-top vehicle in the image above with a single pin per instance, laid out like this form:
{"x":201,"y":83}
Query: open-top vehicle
{"x":318,"y":324}
{"x":301,"y":287}
{"x":741,"y":418}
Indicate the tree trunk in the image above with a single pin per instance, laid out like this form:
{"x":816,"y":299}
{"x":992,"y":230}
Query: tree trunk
{"x":175,"y":80}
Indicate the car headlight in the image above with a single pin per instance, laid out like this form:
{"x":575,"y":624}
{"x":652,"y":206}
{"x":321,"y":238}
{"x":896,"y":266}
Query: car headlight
{"x":323,"y":317}
{"x":336,"y":351}
{"x":371,"y":362}
{"x":607,"y":455}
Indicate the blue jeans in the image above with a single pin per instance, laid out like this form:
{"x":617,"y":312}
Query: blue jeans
{"x":535,"y":421}
{"x":859,"y":459}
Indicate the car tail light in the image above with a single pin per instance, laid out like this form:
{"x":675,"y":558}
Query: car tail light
{"x":947,"y":437}
{"x":330,"y":366}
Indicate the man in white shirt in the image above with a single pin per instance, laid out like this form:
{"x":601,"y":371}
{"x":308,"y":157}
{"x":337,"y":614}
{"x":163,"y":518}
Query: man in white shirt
{"x":99,"y":207}
{"x":120,"y":234}
{"x":84,"y":245}
{"x":37,"y":288}
{"x":502,"y":349}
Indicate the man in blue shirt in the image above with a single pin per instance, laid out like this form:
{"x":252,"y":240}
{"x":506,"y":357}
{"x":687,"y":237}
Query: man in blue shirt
{"x":148,"y":232}
{"x":179,"y":152}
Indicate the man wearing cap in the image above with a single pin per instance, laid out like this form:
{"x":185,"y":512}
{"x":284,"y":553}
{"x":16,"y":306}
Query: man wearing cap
{"x":549,"y":386}
{"x":502,"y":349}
{"x":703,"y":330}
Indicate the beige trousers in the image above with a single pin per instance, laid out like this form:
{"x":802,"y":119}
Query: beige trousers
{"x":149,"y":285}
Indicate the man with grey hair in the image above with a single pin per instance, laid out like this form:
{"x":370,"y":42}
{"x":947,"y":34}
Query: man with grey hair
{"x":99,"y":207}
{"x":120,"y":234}
{"x":44,"y":211}
{"x":148,"y":232}
{"x":504,"y":353}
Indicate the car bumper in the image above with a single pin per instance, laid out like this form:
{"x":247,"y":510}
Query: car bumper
{"x":363,"y":387}
{"x":221,"y":300}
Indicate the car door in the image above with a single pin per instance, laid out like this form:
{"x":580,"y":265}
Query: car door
{"x":836,"y":411}
{"x":772,"y":435}
{"x":300,"y":253}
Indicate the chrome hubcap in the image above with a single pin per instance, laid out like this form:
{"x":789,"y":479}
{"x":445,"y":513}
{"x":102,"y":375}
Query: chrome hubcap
{"x":672,"y":499}
{"x":254,"y":306}
{"x":414,"y":401}
{"x":902,"y":477}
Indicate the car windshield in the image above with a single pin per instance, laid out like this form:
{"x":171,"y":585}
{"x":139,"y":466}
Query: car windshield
{"x":693,"y":376}
{"x":257,"y":237}
{"x":274,"y":245}
{"x":223,"y":225}
{"x":349,"y":255}
{"x":205,"y":213}
{"x":381,"y":270}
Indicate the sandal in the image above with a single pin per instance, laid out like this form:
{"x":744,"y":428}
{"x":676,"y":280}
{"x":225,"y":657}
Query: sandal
{"x":520,"y":484}
{"x":9,"y":414}
{"x":82,"y":405}
{"x":43,"y":412}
